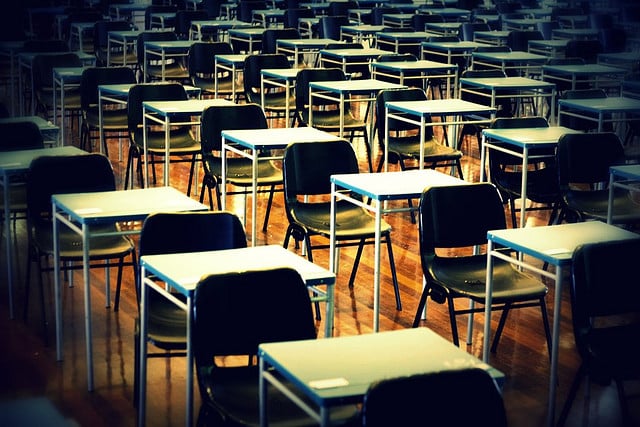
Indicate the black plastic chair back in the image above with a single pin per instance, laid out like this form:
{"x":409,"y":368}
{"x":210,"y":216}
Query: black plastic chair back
{"x":419,"y":20}
{"x":216,"y":119}
{"x":292,"y":16}
{"x":271,"y":36}
{"x":467,"y":30}
{"x":147,"y":36}
{"x":396,"y":126}
{"x":23,"y":135}
{"x":101,"y":32}
{"x":44,"y":64}
{"x":143,"y":92}
{"x":183,"y":21}
{"x":95,"y":76}
{"x":251,"y":73}
{"x":329,"y":26}
{"x":246,"y":8}
{"x":519,"y":40}
{"x":307,"y":75}
{"x":201,"y":56}
{"x":585,"y":49}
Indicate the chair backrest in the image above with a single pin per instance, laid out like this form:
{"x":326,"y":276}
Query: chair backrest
{"x":410,"y":94}
{"x":147,"y":36}
{"x":201,"y":55}
{"x":445,"y":221}
{"x":45,"y":45}
{"x":246,"y":8}
{"x":49,"y":175}
{"x":601,"y":21}
{"x":613,"y":40}
{"x":177,"y":232}
{"x":101,"y":32}
{"x":251,"y":73}
{"x":519,"y":40}
{"x":44,"y":64}
{"x":546,"y":28}
{"x":307,"y":75}
{"x":95,"y":76}
{"x":378,"y":12}
{"x":585,"y":158}
{"x":498,"y":159}
{"x":272,"y":35}
{"x":504,"y":104}
{"x":292,"y":15}
{"x":22,"y":135}
{"x":419,"y":20}
{"x":585,"y":49}
{"x":402,"y":401}
{"x":235,"y":312}
{"x":142,"y":92}
{"x":467,"y":30}
{"x":329,"y":26}
{"x":212,"y":7}
{"x":602,"y":286}
{"x":183,"y":21}
{"x":218,"y":118}
{"x":308,"y":166}
{"x":341,"y":8}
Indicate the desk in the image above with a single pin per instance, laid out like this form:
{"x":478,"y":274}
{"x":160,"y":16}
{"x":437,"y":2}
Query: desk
{"x":77,"y":31}
{"x":252,"y":37}
{"x":401,"y":42}
{"x":380,"y":188}
{"x":511,"y":87}
{"x":162,"y":113}
{"x":163,"y":51}
{"x":82,"y":211}
{"x":626,"y":60}
{"x":427,"y":69}
{"x":13,"y":168}
{"x":249,"y":143}
{"x":448,"y":13}
{"x":340,"y":90}
{"x":522,"y":24}
{"x":279,"y":77}
{"x":575,"y":33}
{"x":388,"y":354}
{"x":162,"y":20}
{"x":234,"y":63}
{"x":125,"y":40}
{"x":64,"y":78}
{"x":266,"y":18}
{"x":397,"y":20}
{"x":216,"y":28}
{"x":553,"y":244}
{"x":182,"y":273}
{"x":448,"y":51}
{"x":361,"y":33}
{"x":592,"y":74}
{"x":296,"y":47}
{"x":418,"y":112}
{"x":345,"y":58}
{"x":598,"y":108}
{"x":126,"y":10}
{"x":491,"y":37}
{"x":306,"y":25}
{"x":442,"y":29}
{"x":626,"y":177}
{"x":518,"y":142}
{"x":521,"y":62}
{"x":548,"y":48}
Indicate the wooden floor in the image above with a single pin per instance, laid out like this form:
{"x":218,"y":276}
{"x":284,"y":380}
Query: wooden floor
{"x":30,"y":369}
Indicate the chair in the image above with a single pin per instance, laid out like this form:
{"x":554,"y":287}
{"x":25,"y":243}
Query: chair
{"x":275,"y":98}
{"x":116,"y":56}
{"x":519,"y":40}
{"x":152,"y":69}
{"x":183,"y":21}
{"x":602,"y":289}
{"x":114,"y":116}
{"x":378,"y":12}
{"x":329,"y":27}
{"x":601,"y":21}
{"x":402,"y":400}
{"x":583,"y":175}
{"x":246,"y":8}
{"x":49,"y":175}
{"x":272,"y":35}
{"x":505,"y":171}
{"x":275,"y":307}
{"x":420,"y":20}
{"x":21,"y":135}
{"x":183,"y":146}
{"x":159,"y":8}
{"x":216,"y":119}
{"x":326,"y":113}
{"x":404,"y":138}
{"x":357,"y":70}
{"x":292,"y":15}
{"x":307,"y":169}
{"x":467,"y":30}
{"x":167,"y":233}
{"x":42,"y":68}
{"x":87,"y":15}
{"x":201,"y":67}
{"x":563,"y":86}
{"x":445,"y":223}
{"x":580,"y":123}
{"x":613,"y":40}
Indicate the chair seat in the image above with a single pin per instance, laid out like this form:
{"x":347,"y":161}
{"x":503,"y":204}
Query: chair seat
{"x":410,"y":148}
{"x":276,"y":102}
{"x":181,"y":142}
{"x":352,"y":222}
{"x":171,"y":71}
{"x":331,"y":120}
{"x":71,"y":98}
{"x":225,"y":86}
{"x":239,"y":171}
{"x":467,"y":279}
{"x":101,"y":247}
{"x":610,"y":353}
{"x":594,"y":204}
{"x":167,"y":324}
{"x":111,"y":119}
{"x":542,"y":184}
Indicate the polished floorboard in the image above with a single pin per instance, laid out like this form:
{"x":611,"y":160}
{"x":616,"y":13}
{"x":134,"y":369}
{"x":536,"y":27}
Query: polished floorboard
{"x":29,"y":367}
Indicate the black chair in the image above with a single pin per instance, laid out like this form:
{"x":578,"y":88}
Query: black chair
{"x":114,"y":115}
{"x":49,"y":175}
{"x":178,"y":232}
{"x":202,"y":71}
{"x":42,"y":69}
{"x":519,"y":40}
{"x":117,"y":55}
{"x":292,"y":16}
{"x":420,"y":20}
{"x":326,"y":113}
{"x":183,"y":146}
{"x":467,"y":30}
{"x":85,"y":15}
{"x":246,"y":7}
{"x":275,"y":98}
{"x":19,"y":135}
{"x":603,"y":289}
{"x":585,"y":49}
{"x":445,"y":223}
{"x":216,"y":119}
{"x":151,"y":69}
{"x":561,"y":85}
{"x":391,"y":76}
{"x":307,"y":169}
{"x":329,"y":26}
{"x":272,"y":35}
{"x":505,"y":171}
{"x":275,"y":307}
{"x":183,"y":21}
{"x":613,"y":40}
{"x":159,"y":8}
{"x":401,"y":401}
{"x":378,"y":12}
{"x":583,"y":176}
